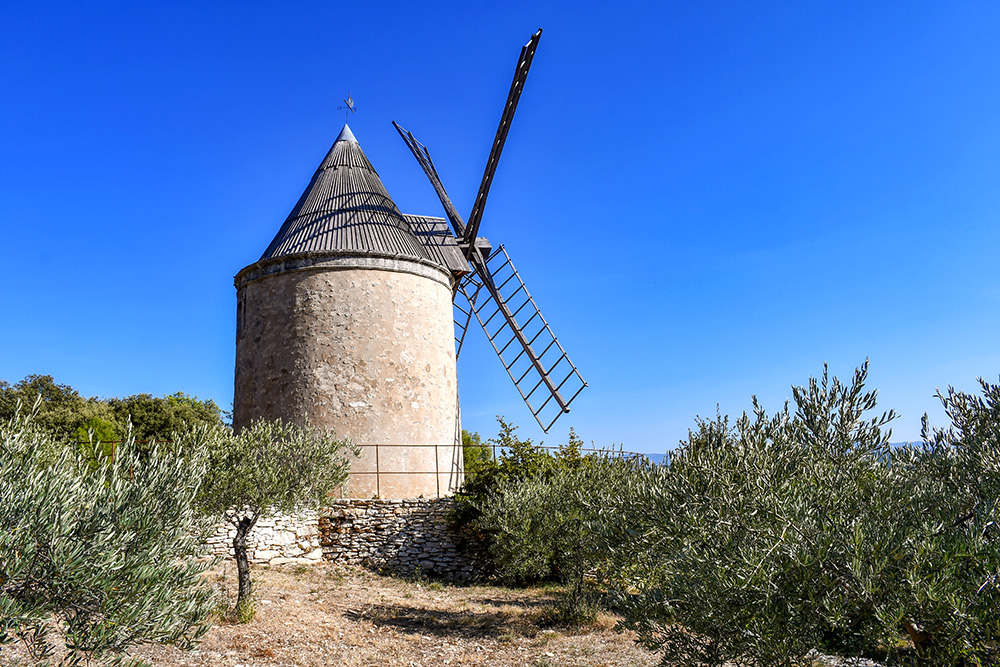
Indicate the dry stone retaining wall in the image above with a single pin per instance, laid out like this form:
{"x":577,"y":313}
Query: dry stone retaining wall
{"x":407,"y":537}
{"x":277,"y":539}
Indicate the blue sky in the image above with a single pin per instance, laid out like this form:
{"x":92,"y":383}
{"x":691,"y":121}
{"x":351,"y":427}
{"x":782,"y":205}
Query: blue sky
{"x":708,"y":200}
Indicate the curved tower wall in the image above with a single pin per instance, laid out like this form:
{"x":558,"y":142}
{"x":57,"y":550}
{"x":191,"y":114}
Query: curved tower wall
{"x":363,"y":345}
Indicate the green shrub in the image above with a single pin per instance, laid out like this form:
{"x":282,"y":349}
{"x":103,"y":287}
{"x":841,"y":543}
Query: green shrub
{"x":102,"y":557}
{"x":535,"y":511}
{"x":96,"y":430}
{"x":475,"y":455}
{"x":805,"y":530}
{"x":516,"y":459}
{"x":155,"y":418}
{"x":543,"y":526}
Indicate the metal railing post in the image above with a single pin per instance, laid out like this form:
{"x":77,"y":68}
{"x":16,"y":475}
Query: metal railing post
{"x":378,"y":474}
{"x":437,"y":470}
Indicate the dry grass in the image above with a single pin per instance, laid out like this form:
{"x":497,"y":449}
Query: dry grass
{"x":328,"y":615}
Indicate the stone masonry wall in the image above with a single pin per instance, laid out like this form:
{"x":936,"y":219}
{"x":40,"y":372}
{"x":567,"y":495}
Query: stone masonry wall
{"x":278,"y":539}
{"x":407,"y":537}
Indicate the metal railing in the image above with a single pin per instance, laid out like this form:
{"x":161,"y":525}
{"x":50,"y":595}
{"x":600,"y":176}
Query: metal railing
{"x":494,"y":449}
{"x":378,"y":472}
{"x":611,"y":451}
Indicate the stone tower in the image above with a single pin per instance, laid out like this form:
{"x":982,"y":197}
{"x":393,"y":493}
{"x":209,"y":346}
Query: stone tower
{"x":345,"y":322}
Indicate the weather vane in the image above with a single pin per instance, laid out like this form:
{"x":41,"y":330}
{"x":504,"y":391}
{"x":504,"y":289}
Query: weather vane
{"x":349,"y":108}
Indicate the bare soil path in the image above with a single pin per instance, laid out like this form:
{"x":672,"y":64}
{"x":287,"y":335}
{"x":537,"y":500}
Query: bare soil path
{"x":327,"y":615}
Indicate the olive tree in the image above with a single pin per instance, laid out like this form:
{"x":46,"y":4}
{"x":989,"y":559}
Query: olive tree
{"x":268,"y":467}
{"x":102,"y":557}
{"x":757,"y":542}
{"x":949,"y":597}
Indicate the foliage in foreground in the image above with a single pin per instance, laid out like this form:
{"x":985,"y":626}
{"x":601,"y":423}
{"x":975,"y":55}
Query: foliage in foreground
{"x":101,"y":557}
{"x":265,"y":468}
{"x":805,"y":529}
{"x":757,"y":542}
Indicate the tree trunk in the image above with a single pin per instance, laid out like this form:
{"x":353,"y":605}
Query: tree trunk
{"x":243,"y":599}
{"x":922,"y":640}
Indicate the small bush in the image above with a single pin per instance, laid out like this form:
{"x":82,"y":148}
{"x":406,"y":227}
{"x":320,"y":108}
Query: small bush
{"x":475,"y":455}
{"x":544,"y":527}
{"x":516,"y":459}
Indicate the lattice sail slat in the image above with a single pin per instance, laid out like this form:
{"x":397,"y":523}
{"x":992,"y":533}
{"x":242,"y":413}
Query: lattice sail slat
{"x":532,"y":356}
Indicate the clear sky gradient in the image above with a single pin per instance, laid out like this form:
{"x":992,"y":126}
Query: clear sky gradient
{"x":708,"y":200}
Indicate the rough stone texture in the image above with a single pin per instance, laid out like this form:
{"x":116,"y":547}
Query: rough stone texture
{"x":280,"y":538}
{"x":407,"y":537}
{"x":363,"y":345}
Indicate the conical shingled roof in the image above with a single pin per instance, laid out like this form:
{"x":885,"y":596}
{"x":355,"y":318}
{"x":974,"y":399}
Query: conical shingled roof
{"x":346,"y":208}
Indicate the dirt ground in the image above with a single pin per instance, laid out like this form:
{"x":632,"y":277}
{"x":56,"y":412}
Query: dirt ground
{"x":328,"y":615}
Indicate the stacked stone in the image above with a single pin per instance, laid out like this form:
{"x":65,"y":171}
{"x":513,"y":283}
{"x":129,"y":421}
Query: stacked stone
{"x":276,"y":540}
{"x":407,"y":537}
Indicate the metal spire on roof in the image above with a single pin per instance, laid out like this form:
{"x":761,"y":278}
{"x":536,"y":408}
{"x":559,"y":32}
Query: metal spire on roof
{"x":346,"y":135}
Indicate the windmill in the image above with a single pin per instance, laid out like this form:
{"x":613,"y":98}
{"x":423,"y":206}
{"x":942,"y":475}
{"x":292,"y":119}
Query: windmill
{"x":354,"y":315}
{"x":493,"y":291}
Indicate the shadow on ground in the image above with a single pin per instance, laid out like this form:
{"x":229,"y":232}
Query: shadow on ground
{"x":465,"y":624}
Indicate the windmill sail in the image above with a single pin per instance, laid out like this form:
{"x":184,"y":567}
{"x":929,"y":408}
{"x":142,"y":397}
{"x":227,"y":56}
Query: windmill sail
{"x":516,"y":86}
{"x":496,"y":295}
{"x":531,"y":354}
{"x":463,"y":318}
{"x":424,"y":158}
